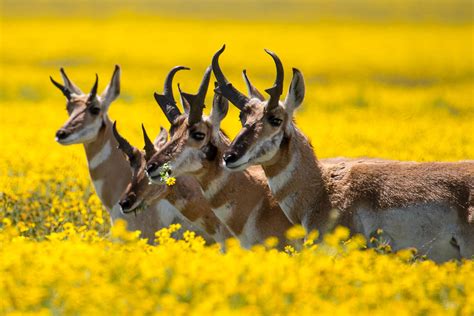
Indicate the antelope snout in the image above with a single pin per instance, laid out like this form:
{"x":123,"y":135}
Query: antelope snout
{"x":62,"y":134}
{"x":151,"y":168}
{"x":230,"y":157}
{"x":127,"y":202}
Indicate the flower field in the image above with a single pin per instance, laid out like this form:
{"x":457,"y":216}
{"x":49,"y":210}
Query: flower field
{"x":392,"y":88}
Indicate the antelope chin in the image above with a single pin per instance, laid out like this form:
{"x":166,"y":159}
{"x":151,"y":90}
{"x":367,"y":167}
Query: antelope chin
{"x":237,"y":166}
{"x":137,"y":208}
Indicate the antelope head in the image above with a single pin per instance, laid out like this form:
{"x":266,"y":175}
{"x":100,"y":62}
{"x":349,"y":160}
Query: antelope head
{"x":139,"y":193}
{"x":194,"y":142}
{"x":265,"y":123}
{"x":87,"y":112}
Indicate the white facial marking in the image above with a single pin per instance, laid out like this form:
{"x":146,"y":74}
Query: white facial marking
{"x":265,"y":150}
{"x":101,"y":156}
{"x":85,"y":135}
{"x":261,"y":152}
{"x":249,"y":235}
{"x":188,"y":161}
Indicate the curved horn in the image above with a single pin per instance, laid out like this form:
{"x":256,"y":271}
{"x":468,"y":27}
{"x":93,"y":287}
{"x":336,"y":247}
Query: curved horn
{"x":93,"y":92}
{"x":225,"y":87}
{"x":196,"y":101}
{"x":63,"y":89}
{"x":252,"y":91}
{"x":166,"y":100}
{"x":123,"y":144}
{"x":277,"y":89}
{"x":149,"y":147}
{"x":168,"y":88}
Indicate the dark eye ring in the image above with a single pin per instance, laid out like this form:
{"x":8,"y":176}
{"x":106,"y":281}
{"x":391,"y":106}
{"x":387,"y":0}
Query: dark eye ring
{"x":94,"y":110}
{"x":198,"y":135}
{"x":275,"y":121}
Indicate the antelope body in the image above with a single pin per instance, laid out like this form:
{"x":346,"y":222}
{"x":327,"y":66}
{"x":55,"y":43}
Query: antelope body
{"x":241,"y":200}
{"x":90,"y":125}
{"x":429,"y":206}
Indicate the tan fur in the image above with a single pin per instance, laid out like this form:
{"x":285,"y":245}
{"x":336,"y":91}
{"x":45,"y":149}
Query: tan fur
{"x":423,"y":205}
{"x":112,"y":171}
{"x":185,"y":196}
{"x":398,"y":184}
{"x":242,"y":190}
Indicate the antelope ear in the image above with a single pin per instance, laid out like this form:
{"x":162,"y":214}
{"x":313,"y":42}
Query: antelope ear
{"x":220,"y":106}
{"x":161,"y":139}
{"x":113,"y":89}
{"x":296,"y":92}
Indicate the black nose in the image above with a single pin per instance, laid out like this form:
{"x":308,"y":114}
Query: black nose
{"x":151,"y":167}
{"x":230,"y":157}
{"x":61,"y":134}
{"x":127,"y":202}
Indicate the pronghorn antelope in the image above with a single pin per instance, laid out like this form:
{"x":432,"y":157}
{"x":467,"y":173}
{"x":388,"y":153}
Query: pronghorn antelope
{"x":241,"y":200}
{"x":429,"y":206}
{"x":185,"y":195}
{"x":90,"y":125}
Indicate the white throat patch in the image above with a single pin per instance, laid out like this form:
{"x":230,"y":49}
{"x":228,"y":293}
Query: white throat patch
{"x":277,"y":182}
{"x":101,"y":156}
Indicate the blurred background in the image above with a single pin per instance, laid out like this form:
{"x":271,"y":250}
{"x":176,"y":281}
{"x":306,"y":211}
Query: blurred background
{"x":388,"y":78}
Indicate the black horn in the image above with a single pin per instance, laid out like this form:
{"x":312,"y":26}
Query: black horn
{"x":93,"y":92}
{"x":277,"y":89}
{"x":63,"y":89}
{"x":166,"y":100}
{"x":149,"y":147}
{"x":123,"y":144}
{"x":225,"y":87}
{"x":196,"y":101}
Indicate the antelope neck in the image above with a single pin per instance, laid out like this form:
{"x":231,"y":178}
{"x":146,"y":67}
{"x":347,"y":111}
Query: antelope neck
{"x":108,"y":169}
{"x":295,"y":177}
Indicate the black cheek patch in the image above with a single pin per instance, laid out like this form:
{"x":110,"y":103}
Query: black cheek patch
{"x":210,"y":151}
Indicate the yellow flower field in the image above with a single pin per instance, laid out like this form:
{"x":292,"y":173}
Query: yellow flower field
{"x":393,"y":88}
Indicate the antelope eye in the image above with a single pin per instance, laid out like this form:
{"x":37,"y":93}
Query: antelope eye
{"x":198,"y":135}
{"x":94,"y":110}
{"x":274,"y":121}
